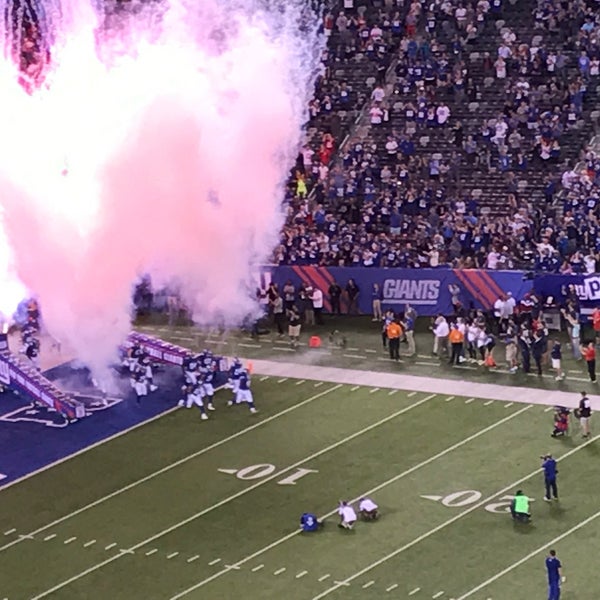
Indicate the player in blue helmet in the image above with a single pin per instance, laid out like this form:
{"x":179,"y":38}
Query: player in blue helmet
{"x":309,"y":522}
{"x":244,"y":393}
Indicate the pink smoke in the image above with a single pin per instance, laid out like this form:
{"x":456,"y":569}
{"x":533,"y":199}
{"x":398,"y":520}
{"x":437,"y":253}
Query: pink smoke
{"x":168,"y":159}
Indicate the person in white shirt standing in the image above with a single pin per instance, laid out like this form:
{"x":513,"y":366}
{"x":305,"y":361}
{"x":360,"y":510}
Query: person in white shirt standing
{"x":441,"y":330}
{"x":347,"y":515}
{"x":317,"y":301}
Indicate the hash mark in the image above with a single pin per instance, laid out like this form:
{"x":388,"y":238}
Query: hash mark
{"x":469,"y":400}
{"x":151,"y":552}
{"x":235,"y":567}
{"x":341,"y":583}
{"x":71,"y":539}
{"x":549,"y":409}
{"x":414,"y":591}
{"x":324,"y":577}
{"x":411,"y":394}
{"x":49,"y":537}
{"x":318,"y":384}
{"x":392,"y":587}
{"x":257,"y":568}
{"x":301,"y":382}
{"x":301,"y":574}
{"x":370,"y":351}
{"x":111,"y":546}
{"x":449,"y":398}
{"x":356,"y":387}
{"x":508,"y":405}
{"x":374,"y":390}
{"x":368,"y":584}
{"x":9,"y":531}
{"x":282,"y":380}
{"x":172,"y":555}
{"x":488,"y":402}
{"x":264,"y":378}
{"x":90,"y":543}
{"x":437,"y":595}
{"x":214,"y":562}
{"x":279,"y":571}
{"x":391,"y":393}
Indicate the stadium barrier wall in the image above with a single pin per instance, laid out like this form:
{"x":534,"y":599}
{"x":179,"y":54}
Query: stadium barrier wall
{"x":171,"y":354}
{"x":19,"y":375}
{"x":425,"y":289}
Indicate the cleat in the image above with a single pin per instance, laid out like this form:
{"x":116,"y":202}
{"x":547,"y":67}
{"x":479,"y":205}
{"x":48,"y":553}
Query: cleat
{"x":546,"y":499}
{"x":230,"y":403}
{"x":253,"y":410}
{"x":204,"y":416}
{"x":211,"y":407}
{"x":181,"y":403}
{"x":153,"y":388}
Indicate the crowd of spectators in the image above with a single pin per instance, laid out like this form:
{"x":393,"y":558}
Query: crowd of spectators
{"x":395,"y":195}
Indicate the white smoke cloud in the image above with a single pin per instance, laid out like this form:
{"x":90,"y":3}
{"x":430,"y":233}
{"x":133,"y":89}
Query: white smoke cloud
{"x":166,"y":158}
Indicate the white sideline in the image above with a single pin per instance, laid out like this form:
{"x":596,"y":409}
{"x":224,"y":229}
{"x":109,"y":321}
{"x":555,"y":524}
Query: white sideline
{"x":234,"y":497}
{"x":164,"y":469}
{"x":529,"y":556}
{"x":367,"y":493}
{"x":445,"y":524}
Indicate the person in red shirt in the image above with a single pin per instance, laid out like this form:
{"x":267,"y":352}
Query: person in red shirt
{"x":589,"y":354}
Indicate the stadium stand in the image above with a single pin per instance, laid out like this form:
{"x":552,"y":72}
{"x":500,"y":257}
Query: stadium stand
{"x":481,"y":111}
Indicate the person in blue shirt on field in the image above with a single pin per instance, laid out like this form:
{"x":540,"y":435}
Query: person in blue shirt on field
{"x":555,"y":576}
{"x":309,"y":522}
{"x":550,"y":472}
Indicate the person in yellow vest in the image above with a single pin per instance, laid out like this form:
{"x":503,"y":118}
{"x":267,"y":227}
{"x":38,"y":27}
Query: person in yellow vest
{"x":394,"y":333}
{"x":301,"y":190}
{"x":457,"y":340}
{"x":519,"y":507}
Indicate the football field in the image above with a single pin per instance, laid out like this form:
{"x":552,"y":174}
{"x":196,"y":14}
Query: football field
{"x":181,"y":508}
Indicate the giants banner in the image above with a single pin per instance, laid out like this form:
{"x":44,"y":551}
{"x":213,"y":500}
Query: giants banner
{"x":428,"y":290}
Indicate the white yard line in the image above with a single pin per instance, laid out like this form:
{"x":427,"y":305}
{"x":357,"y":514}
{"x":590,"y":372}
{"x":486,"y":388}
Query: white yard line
{"x":529,"y":556}
{"x":448,"y":522}
{"x":370,"y":492}
{"x":177,"y":463}
{"x":233,"y":497}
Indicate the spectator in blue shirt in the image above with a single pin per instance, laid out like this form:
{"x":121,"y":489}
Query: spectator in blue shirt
{"x":555,"y":576}
{"x":550,"y":473}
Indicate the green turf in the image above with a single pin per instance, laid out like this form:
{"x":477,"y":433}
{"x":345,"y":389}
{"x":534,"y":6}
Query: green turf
{"x":363,"y":350}
{"x":403,"y":445}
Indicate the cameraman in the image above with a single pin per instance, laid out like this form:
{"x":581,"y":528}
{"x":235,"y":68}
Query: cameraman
{"x":550,"y":473}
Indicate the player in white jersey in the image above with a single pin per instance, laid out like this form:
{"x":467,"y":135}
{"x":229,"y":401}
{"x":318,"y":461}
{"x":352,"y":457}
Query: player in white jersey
{"x":347,"y":515}
{"x":369,"y":511}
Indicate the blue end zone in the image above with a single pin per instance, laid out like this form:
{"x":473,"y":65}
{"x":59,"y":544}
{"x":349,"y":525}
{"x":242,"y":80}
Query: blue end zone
{"x":33,"y":437}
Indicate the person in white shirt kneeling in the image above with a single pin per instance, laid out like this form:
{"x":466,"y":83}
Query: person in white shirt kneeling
{"x":369,"y":511}
{"x":347,"y":515}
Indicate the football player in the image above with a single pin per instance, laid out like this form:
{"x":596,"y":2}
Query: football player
{"x":244,"y":393}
